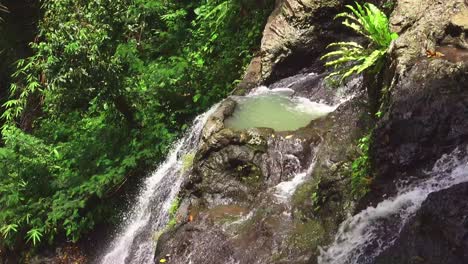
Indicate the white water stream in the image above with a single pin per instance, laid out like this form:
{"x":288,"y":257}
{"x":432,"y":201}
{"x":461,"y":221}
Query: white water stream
{"x":134,"y":243}
{"x":364,"y":236}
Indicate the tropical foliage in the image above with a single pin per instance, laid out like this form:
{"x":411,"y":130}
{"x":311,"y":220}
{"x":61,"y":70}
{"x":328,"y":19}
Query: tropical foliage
{"x":352,"y":58}
{"x":108,"y":88}
{"x":360,"y":169}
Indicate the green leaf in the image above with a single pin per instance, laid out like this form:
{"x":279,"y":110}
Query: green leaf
{"x":196,"y":98}
{"x":34,"y":235}
{"x":6,"y":230}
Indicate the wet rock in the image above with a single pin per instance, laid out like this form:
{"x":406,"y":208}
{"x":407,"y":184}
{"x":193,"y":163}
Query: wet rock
{"x":326,"y":197}
{"x":200,"y":243}
{"x":236,"y":166}
{"x":437,"y":234}
{"x":234,"y":204}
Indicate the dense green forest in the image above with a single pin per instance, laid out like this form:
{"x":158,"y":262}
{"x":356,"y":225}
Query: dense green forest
{"x":93,"y":94}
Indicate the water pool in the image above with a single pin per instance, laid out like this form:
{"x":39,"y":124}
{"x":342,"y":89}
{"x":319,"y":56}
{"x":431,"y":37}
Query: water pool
{"x":275,"y":110}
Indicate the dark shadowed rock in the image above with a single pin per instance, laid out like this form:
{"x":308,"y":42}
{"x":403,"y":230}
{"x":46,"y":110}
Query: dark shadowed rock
{"x":427,"y":118}
{"x":437,"y":234}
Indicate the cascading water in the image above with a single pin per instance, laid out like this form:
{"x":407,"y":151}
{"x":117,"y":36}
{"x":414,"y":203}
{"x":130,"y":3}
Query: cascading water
{"x":364,"y":236}
{"x":134,"y":243}
{"x":284,"y":190}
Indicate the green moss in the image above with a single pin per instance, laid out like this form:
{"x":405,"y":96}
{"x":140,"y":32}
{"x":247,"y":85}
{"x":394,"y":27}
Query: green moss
{"x":249,"y":174}
{"x":175,"y":204}
{"x":308,"y":235}
{"x":187,"y":161}
{"x":303,"y":194}
{"x":308,"y":194}
{"x":172,"y":212}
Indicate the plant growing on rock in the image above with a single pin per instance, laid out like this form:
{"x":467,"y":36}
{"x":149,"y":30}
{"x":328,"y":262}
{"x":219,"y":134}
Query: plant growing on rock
{"x":172,"y":212}
{"x":352,"y":58}
{"x":360,"y":178}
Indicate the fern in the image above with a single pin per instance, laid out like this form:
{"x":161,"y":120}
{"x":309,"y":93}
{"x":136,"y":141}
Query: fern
{"x":20,"y":93}
{"x":3,"y":9}
{"x":6,"y":230}
{"x":350,"y":57}
{"x":34,"y":235}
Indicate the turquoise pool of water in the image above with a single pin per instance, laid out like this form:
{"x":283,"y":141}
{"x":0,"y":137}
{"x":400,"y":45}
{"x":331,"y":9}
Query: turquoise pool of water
{"x":275,"y":110}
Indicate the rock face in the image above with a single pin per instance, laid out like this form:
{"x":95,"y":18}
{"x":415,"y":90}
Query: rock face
{"x":296,"y":34}
{"x":423,"y":26}
{"x":429,"y":97}
{"x":425,"y":118}
{"x":437,"y":234}
{"x":236,"y":212}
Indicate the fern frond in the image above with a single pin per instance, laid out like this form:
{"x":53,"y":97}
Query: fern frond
{"x":371,"y":60}
{"x":342,"y":44}
{"x":351,"y":58}
{"x":350,"y":72}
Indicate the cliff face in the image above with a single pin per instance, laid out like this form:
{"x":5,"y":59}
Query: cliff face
{"x":429,"y":95}
{"x":229,"y":212}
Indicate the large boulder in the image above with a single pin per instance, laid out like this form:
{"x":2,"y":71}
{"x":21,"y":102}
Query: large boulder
{"x":428,"y":105}
{"x":437,"y":234}
{"x":295,"y":36}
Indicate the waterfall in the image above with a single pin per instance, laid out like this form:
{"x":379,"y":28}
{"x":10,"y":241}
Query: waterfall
{"x":149,"y":215}
{"x":364,"y":236}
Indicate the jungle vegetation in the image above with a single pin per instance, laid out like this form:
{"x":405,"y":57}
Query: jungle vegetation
{"x":97,"y":95}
